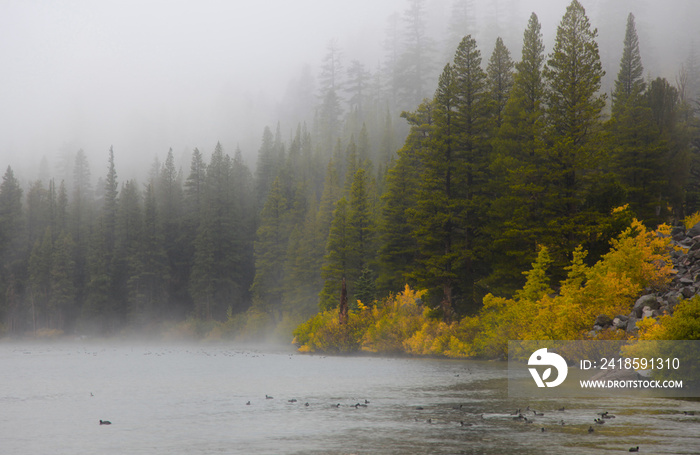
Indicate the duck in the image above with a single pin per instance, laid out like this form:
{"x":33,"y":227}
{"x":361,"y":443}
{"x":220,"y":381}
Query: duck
{"x":293,"y":400}
{"x":247,"y":403}
{"x":538,"y":414}
{"x":689,"y":413}
{"x":590,"y":430}
{"x":268,"y":397}
{"x":634,"y":449}
{"x":543,"y":429}
{"x":599,"y":421}
{"x":562,"y":409}
{"x":105,"y":422}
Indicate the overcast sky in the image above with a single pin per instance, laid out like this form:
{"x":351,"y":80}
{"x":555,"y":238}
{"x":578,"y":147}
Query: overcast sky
{"x":147,"y":75}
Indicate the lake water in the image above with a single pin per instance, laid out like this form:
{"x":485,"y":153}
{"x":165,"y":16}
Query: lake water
{"x":192,"y":399}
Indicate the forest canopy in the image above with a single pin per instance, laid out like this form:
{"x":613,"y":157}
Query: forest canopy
{"x":409,"y":188}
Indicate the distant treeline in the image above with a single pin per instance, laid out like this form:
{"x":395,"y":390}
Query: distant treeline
{"x":504,"y":158}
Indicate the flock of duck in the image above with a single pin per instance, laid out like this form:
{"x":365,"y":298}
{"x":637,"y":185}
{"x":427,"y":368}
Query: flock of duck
{"x":518,"y":415}
{"x":522,"y":416}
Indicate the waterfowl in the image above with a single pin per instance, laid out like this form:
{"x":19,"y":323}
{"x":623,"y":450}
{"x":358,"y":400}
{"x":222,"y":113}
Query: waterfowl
{"x":306,"y":404}
{"x":105,"y":422}
{"x":590,"y":430}
{"x":543,"y":429}
{"x":599,"y":421}
{"x":562,"y":409}
{"x":293,"y":400}
{"x":538,"y":414}
{"x":248,"y":403}
{"x":689,"y":413}
{"x":634,"y":449}
{"x":268,"y":397}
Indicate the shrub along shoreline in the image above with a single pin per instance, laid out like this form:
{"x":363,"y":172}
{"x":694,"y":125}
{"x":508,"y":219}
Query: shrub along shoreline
{"x":639,"y":261}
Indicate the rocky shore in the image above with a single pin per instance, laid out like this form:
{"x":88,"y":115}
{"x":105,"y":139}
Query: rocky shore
{"x":685,"y":257}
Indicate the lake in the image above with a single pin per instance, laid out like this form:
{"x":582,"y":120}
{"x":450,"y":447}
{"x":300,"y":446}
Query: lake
{"x":193,"y":399}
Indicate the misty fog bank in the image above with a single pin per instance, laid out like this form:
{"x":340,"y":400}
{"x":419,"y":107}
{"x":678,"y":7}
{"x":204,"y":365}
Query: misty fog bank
{"x":148,"y":76}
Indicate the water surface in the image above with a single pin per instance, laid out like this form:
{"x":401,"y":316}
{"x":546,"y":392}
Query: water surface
{"x":192,"y":399}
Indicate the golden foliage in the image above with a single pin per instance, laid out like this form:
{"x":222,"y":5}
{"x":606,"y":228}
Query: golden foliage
{"x":638,"y":259}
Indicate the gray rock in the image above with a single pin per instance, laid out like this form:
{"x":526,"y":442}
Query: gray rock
{"x":693,"y":231}
{"x":678,"y":229}
{"x":603,"y":321}
{"x":688,"y":291}
{"x":645,"y":300}
{"x":648,"y":312}
{"x":632,"y":325}
{"x":620,"y":322}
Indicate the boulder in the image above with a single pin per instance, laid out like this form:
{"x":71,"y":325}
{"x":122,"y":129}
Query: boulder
{"x":693,"y":231}
{"x":678,"y":229}
{"x":645,"y":300}
{"x":688,"y":291}
{"x":648,"y":312}
{"x":620,"y":322}
{"x":603,"y":321}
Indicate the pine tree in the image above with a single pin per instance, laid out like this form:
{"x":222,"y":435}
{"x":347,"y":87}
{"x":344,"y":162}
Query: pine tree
{"x":336,"y":261}
{"x":518,"y":183}
{"x":440,"y":206}
{"x":500,"y":79}
{"x":169,"y":200}
{"x":265,"y":169}
{"x":636,"y":154}
{"x":148,"y":281}
{"x":39,"y":281}
{"x":129,"y":245}
{"x":398,"y":250}
{"x":62,"y":279}
{"x":630,"y":78}
{"x":270,"y":253}
{"x":12,"y":246}
{"x":574,"y":105}
{"x":415,"y":63}
{"x":215,"y":281}
{"x":471,"y":178}
{"x":361,"y":227}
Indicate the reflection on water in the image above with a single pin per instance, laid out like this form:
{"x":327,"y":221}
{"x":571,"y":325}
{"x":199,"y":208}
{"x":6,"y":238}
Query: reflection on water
{"x":194,"y":399}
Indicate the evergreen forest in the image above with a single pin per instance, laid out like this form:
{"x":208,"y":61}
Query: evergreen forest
{"x":451,"y":179}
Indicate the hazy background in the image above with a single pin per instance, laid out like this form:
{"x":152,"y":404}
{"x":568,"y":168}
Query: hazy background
{"x":144,"y":76}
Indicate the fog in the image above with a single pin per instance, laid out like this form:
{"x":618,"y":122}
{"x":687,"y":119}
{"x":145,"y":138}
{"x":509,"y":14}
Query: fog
{"x":146,"y":76}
